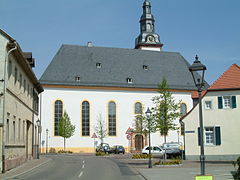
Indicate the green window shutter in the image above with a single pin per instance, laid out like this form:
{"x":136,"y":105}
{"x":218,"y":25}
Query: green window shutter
{"x":220,"y":103}
{"x":218,"y":136}
{"x":234,"y":104}
{"x":199,"y":138}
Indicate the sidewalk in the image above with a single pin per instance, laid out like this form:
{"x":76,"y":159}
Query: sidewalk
{"x":26,"y":167}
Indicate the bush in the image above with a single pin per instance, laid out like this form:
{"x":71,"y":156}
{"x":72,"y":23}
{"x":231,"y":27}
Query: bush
{"x":140,"y":156}
{"x":52,"y":150}
{"x":100,"y":154}
{"x":236,"y":174}
{"x":62,"y":151}
{"x":169,"y":162}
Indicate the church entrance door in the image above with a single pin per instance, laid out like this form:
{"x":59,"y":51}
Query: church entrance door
{"x":138,"y":142}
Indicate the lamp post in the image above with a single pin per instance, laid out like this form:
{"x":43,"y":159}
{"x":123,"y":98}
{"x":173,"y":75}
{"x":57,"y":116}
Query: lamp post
{"x":148,"y":114}
{"x":38,"y":135}
{"x":197,"y":68}
{"x":46,"y":141}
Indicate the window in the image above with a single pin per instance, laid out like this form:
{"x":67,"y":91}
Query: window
{"x":20,"y":80}
{"x":208,"y":104}
{"x":23,"y":134}
{"x":77,"y":78}
{"x":85,"y":119}
{"x":14,"y":131}
{"x":7,"y":131}
{"x":58,"y":111}
{"x":129,"y":80}
{"x":212,"y":136}
{"x":112,"y":118}
{"x":19,"y":129}
{"x":145,"y":67}
{"x":138,"y":108}
{"x":183,"y":109}
{"x":24,"y":85}
{"x":16,"y":75}
{"x":9,"y":69}
{"x":227,"y":102}
{"x":28,"y":89}
{"x":209,"y":136}
{"x":98,"y":65}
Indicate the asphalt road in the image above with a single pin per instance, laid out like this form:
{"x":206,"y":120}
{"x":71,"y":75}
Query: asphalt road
{"x":77,"y":167}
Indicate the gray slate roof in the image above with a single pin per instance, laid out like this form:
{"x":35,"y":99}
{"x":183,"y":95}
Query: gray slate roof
{"x":117,"y":65}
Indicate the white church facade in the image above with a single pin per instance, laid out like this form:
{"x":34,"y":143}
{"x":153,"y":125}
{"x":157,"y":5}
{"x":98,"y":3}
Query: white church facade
{"x":114,"y":83}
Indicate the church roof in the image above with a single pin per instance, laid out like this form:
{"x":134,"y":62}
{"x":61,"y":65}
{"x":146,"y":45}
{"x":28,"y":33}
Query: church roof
{"x":112,"y":67}
{"x":228,"y":80}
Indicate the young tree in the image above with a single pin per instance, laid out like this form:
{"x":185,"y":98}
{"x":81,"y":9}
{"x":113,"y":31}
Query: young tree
{"x":65,"y":128}
{"x":165,"y":110}
{"x":100,"y":128}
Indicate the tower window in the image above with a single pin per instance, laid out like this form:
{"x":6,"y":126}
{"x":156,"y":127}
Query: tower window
{"x":129,"y":80}
{"x":145,"y":67}
{"x":98,"y":65}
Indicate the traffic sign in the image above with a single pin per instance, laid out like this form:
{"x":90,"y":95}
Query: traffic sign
{"x":129,"y":131}
{"x":129,"y":137}
{"x":94,"y":135}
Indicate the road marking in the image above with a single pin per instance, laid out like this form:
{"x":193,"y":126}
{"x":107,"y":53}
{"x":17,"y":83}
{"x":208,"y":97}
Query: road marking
{"x":83,"y":166}
{"x":81,"y":173}
{"x":83,"y":161}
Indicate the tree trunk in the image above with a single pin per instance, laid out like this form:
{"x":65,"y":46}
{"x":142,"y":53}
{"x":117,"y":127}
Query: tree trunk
{"x":64,"y":144}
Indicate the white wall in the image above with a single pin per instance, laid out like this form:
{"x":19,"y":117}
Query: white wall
{"x":98,"y":99}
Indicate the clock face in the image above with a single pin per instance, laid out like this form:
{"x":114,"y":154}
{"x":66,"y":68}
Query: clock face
{"x":150,"y":38}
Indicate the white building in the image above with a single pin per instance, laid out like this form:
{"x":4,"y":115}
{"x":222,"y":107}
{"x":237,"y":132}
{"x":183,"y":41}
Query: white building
{"x":89,"y":81}
{"x":221,"y":112}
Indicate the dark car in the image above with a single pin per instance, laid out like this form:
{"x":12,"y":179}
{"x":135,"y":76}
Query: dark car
{"x":117,"y":149}
{"x":103,"y":147}
{"x":172,"y":149}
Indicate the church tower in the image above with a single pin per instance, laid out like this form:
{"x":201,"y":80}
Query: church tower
{"x":148,"y":39}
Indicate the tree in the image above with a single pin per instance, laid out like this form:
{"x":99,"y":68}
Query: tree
{"x":65,"y":128}
{"x":165,"y":110}
{"x":100,"y":128}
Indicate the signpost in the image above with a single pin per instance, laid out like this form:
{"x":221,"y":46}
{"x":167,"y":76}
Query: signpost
{"x":94,"y":136}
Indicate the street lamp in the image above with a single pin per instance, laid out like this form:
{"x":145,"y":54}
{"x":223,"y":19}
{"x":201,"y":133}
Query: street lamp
{"x":38,"y":141}
{"x":198,"y":68}
{"x":148,"y":114}
{"x":46,"y":141}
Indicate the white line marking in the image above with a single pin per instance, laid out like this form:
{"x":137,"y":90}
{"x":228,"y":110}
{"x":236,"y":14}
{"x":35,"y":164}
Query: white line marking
{"x":83,"y":166}
{"x":83,"y":161}
{"x":81,"y":173}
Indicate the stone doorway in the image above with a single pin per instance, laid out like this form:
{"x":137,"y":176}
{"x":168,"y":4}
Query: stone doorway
{"x":139,"y":144}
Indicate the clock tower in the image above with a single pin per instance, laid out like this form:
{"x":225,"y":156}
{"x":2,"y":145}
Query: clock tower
{"x":148,"y":39}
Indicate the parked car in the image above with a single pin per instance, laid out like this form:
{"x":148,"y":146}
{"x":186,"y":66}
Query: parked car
{"x":103,"y":147}
{"x":156,"y":151}
{"x":173,"y":149}
{"x":117,"y":149}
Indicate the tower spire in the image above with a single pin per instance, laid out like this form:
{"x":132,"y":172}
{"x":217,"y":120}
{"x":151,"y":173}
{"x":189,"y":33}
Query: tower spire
{"x":148,"y":39}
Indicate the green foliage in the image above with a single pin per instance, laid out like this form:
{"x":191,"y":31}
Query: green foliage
{"x":140,"y":156}
{"x":65,"y":128}
{"x":63,"y":151}
{"x":236,"y":164}
{"x":52,"y":150}
{"x":170,"y":162}
{"x":101,"y":154}
{"x":100,"y":128}
{"x":165,"y":110}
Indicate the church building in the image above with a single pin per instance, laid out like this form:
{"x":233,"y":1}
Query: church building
{"x":112,"y":84}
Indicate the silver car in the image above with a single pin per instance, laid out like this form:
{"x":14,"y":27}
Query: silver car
{"x":156,"y":151}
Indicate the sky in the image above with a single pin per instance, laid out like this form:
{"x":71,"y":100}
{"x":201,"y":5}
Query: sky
{"x":208,"y":28}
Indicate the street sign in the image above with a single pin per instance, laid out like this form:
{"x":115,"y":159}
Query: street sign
{"x":129,"y":137}
{"x":129,"y":131}
{"x":94,"y":135}
{"x":206,"y":177}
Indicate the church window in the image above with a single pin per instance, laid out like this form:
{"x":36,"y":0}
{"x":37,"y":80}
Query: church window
{"x":98,"y":65}
{"x":183,"y":109}
{"x":138,"y":108}
{"x":129,"y":80}
{"x":112,"y":118}
{"x":58,"y":111}
{"x":85,"y":119}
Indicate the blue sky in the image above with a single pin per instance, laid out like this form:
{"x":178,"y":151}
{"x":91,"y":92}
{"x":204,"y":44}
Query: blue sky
{"x":209,"y":28}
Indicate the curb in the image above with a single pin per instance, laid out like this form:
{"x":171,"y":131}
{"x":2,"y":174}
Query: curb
{"x":12,"y":177}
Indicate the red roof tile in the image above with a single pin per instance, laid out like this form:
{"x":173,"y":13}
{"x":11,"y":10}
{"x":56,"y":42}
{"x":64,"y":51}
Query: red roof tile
{"x":230,"y":79}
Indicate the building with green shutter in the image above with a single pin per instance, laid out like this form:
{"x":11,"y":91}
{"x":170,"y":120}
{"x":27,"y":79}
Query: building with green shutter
{"x":221,"y":120}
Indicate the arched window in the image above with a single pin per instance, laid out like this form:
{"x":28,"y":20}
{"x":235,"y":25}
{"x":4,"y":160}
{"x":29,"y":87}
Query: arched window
{"x":138,"y":108}
{"x":58,"y":111}
{"x":85,"y":119}
{"x":183,"y":109}
{"x":112,"y":118}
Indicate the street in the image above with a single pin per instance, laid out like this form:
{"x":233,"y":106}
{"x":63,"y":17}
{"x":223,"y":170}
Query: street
{"x":75,"y":167}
